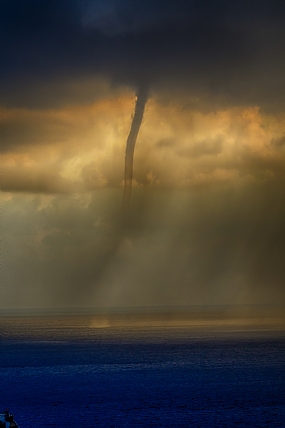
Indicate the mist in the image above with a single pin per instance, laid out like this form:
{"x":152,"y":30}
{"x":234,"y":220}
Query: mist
{"x":178,"y":248}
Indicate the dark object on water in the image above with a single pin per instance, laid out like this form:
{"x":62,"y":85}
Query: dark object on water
{"x":7,"y":420}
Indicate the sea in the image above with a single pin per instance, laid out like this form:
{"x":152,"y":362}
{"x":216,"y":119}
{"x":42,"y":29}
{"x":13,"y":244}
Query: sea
{"x":72,"y":371}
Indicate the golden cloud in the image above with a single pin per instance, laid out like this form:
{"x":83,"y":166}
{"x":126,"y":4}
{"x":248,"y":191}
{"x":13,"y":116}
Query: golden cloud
{"x":79,"y":148}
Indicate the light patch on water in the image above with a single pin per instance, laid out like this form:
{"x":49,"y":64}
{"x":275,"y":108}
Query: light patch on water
{"x":99,"y":322}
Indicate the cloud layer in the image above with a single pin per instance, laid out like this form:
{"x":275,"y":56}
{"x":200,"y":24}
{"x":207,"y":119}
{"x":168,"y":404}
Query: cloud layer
{"x":226,"y":53}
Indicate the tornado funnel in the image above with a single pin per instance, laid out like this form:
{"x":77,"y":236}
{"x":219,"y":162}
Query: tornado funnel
{"x":142,"y":97}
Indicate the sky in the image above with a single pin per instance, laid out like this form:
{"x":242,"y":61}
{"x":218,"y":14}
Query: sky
{"x":205,"y":223}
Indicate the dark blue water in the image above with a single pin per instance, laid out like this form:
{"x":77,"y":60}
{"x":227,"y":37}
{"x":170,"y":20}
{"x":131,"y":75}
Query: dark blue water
{"x":143,"y":378}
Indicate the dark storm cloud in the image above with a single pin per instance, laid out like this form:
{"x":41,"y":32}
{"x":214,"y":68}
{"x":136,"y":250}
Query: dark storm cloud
{"x":232,"y":51}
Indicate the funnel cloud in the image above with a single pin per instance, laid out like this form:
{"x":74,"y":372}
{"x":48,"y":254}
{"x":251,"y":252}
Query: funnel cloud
{"x":130,"y":147}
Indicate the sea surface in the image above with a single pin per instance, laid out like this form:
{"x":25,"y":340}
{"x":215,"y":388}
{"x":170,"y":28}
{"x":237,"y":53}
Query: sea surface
{"x":90,"y":372}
